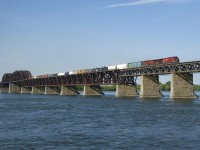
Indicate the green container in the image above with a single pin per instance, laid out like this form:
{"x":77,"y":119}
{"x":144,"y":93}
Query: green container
{"x":130,"y":65}
{"x":135,"y":64}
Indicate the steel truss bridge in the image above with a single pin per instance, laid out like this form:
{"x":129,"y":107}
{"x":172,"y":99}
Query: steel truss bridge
{"x":24,"y":78}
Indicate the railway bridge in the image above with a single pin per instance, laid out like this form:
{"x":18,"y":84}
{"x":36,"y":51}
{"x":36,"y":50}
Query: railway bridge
{"x":21,"y":81}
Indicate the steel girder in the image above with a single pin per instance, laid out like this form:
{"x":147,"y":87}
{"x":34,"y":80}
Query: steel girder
{"x":187,"y":67}
{"x":97,"y":78}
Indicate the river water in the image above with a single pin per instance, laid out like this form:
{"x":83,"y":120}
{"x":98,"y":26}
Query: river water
{"x":103,"y":122}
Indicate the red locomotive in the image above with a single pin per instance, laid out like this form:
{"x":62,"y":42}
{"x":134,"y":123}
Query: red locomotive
{"x":168,"y":60}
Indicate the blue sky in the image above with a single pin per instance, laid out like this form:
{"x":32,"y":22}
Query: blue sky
{"x":50,"y":36}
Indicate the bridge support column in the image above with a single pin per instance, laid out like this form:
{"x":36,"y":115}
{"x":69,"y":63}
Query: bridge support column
{"x":69,"y":90}
{"x":92,"y":90}
{"x":126,"y":90}
{"x":36,"y":90}
{"x":25,"y":90}
{"x":4,"y":90}
{"x":50,"y":91}
{"x":150,"y":86}
{"x":182,"y":86}
{"x":14,"y":88}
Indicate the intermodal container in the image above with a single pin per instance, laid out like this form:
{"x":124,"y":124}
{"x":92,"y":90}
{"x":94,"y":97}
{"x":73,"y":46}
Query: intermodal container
{"x":103,"y":69}
{"x":61,"y":74}
{"x":73,"y":72}
{"x":122,"y":66}
{"x":135,"y":64}
{"x":99,"y":69}
{"x":88,"y":70}
{"x":112,"y":67}
{"x":83,"y":71}
{"x":42,"y":76}
{"x":53,"y":75}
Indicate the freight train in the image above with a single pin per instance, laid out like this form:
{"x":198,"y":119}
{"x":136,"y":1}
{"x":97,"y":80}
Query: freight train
{"x":168,"y":60}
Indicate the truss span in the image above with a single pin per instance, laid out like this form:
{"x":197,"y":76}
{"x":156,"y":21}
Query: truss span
{"x":21,"y":75}
{"x":7,"y":78}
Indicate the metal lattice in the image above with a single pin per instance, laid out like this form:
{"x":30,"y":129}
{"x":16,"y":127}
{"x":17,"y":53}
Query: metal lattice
{"x":21,"y":75}
{"x":7,"y":78}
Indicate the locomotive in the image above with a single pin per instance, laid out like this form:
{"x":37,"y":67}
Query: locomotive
{"x":168,"y":60}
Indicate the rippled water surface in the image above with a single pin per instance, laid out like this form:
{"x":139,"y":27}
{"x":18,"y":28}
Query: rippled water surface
{"x":105,"y":122}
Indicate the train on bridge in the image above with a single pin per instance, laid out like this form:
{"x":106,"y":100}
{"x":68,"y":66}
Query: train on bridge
{"x":123,"y":76}
{"x":168,"y":60}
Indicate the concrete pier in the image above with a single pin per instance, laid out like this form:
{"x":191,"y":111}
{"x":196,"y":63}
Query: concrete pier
{"x":182,"y":86}
{"x":150,"y":86}
{"x":14,"y":88}
{"x":37,"y":90}
{"x":50,"y":91}
{"x":126,"y":90}
{"x":25,"y":90}
{"x":92,"y":90}
{"x":4,"y":90}
{"x":70,"y":90}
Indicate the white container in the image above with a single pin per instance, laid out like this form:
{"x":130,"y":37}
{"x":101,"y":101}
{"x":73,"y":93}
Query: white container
{"x":61,"y":74}
{"x":112,"y":67}
{"x":122,"y":66}
{"x":73,"y":72}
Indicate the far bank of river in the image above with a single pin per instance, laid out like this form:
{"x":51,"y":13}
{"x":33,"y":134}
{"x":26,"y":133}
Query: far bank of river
{"x":163,"y":87}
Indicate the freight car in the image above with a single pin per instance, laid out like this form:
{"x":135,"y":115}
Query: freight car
{"x":99,"y":69}
{"x":168,"y":60}
{"x":41,"y":76}
{"x":53,"y":75}
{"x":120,"y":66}
{"x":61,"y":74}
{"x":135,"y":64}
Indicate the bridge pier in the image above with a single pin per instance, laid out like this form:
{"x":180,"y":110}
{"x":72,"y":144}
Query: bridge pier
{"x":4,"y":90}
{"x":92,"y":90}
{"x":150,"y":86}
{"x":182,"y":86}
{"x":126,"y":90}
{"x":37,"y":90}
{"x":69,"y":90}
{"x":14,"y":88}
{"x":25,"y":90}
{"x":50,"y":91}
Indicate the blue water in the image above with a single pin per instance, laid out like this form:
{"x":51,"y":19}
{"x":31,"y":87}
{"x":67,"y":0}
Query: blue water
{"x":105,"y":122}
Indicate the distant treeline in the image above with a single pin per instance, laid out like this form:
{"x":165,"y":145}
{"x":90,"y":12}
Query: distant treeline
{"x":104,"y":88}
{"x":163,"y":87}
{"x":166,"y":86}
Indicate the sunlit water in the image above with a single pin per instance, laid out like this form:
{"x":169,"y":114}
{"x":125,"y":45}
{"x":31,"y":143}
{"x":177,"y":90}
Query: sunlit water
{"x":103,"y":122}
